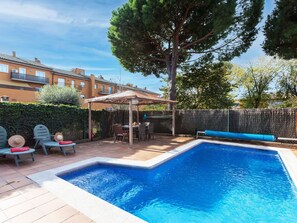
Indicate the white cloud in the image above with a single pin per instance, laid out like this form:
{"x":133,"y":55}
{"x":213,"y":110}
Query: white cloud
{"x":25,"y":10}
{"x":99,"y":52}
{"x":30,"y":11}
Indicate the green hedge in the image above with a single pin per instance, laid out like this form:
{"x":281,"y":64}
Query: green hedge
{"x":20,"y":118}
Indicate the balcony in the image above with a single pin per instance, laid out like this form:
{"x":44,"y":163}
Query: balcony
{"x":28,"y":78}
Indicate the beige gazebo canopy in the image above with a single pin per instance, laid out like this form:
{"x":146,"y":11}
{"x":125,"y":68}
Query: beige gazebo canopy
{"x":130,"y":98}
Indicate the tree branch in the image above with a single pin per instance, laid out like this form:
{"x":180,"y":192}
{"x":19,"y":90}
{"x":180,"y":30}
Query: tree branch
{"x":154,"y":58}
{"x":197,"y":41}
{"x":180,"y":25}
{"x":209,"y":51}
{"x":156,"y":44}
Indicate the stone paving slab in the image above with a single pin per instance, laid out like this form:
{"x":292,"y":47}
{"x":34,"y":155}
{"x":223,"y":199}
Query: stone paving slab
{"x":21,"y":200}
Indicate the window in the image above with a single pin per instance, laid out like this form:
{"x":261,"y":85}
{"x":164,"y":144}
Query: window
{"x":73,"y":84}
{"x":4,"y":68}
{"x":40,"y":74}
{"x":102,"y":88}
{"x":95,"y":86}
{"x":61,"y":82}
{"x":110,"y":90}
{"x":82,"y":84}
{"x":22,"y":70}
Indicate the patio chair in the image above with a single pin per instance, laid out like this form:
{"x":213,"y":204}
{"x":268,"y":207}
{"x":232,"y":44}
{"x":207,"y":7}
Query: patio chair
{"x":142,"y":132}
{"x":119,"y":133}
{"x":5,"y":151}
{"x":43,"y":138}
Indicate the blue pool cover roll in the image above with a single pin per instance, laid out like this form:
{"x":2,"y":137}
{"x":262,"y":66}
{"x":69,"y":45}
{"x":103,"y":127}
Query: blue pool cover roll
{"x":244,"y":136}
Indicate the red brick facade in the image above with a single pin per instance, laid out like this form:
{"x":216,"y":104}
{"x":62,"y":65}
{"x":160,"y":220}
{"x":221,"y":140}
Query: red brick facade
{"x":21,"y":79}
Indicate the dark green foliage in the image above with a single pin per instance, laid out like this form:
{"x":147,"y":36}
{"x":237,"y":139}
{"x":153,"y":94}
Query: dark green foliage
{"x":53,"y":94}
{"x":204,"y":86}
{"x":157,"y":36}
{"x":19,"y":118}
{"x":281,"y":30}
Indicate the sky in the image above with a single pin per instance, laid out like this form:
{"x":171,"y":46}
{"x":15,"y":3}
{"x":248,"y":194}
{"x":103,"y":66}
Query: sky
{"x":71,"y":33}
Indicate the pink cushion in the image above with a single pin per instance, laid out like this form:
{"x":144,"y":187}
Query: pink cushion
{"x":65,"y":142}
{"x":21,"y":149}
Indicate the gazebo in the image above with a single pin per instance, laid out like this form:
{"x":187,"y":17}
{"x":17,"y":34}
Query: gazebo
{"x":130,"y":98}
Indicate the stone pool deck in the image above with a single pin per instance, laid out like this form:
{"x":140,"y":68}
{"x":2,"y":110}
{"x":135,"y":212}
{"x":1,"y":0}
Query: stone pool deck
{"x":22,"y":200}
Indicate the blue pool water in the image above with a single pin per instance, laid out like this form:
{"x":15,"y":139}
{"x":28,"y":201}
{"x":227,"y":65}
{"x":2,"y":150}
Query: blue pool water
{"x":209,"y":183}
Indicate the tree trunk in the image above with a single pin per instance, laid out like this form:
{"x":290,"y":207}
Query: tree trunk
{"x":172,"y":87}
{"x":171,"y":70}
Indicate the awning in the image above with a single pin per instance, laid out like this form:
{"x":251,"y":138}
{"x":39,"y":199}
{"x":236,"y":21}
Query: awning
{"x":126,"y":96}
{"x":130,"y":98}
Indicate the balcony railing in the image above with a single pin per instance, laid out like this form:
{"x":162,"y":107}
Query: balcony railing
{"x":29,"y":78}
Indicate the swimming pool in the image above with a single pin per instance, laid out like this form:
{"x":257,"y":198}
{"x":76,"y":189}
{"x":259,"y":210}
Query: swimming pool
{"x":209,"y":183}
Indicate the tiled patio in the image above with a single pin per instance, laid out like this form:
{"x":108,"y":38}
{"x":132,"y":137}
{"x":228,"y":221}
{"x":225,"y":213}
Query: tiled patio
{"x":21,"y":200}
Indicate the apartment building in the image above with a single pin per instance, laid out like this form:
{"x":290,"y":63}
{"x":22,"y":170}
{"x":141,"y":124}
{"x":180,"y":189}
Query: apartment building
{"x":21,"y":80}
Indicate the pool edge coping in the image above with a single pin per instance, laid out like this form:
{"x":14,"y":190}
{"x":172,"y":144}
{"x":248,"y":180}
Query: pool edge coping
{"x":100,"y":210}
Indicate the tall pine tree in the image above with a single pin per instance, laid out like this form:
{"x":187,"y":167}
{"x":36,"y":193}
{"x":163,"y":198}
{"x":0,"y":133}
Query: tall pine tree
{"x":158,"y":36}
{"x":281,"y":30}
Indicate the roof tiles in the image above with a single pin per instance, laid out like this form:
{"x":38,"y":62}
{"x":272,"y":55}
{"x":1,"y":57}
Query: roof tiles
{"x":23,"y":61}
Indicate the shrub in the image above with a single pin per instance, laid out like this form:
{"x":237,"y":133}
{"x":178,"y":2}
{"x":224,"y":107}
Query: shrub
{"x":21,"y":118}
{"x":53,"y":94}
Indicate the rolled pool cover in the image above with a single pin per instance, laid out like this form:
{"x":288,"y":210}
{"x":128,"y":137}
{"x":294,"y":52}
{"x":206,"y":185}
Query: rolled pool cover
{"x":244,"y":136}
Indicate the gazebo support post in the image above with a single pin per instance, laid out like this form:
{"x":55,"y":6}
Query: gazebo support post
{"x":137,"y":108}
{"x":90,"y":120}
{"x":127,"y":97}
{"x":173,"y":119}
{"x":130,"y":123}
